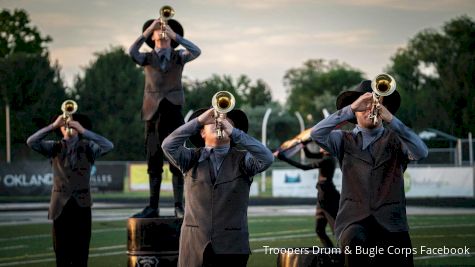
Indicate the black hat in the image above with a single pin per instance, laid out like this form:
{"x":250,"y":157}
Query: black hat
{"x":391,"y":102}
{"x":81,"y":118}
{"x":238,"y":117}
{"x":175,"y":25}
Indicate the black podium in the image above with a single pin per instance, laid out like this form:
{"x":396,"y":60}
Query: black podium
{"x":309,"y":260}
{"x":153,"y":242}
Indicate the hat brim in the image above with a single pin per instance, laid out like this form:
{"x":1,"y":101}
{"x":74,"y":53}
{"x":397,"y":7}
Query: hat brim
{"x":175,"y":25}
{"x":392,"y":102}
{"x":237,"y":116}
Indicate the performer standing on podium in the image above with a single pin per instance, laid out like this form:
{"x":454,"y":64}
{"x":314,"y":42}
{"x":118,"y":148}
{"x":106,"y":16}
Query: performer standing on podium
{"x":162,"y":101}
{"x":217,"y":182}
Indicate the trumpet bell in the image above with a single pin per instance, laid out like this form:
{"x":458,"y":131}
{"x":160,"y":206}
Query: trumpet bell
{"x":223,"y":102}
{"x":167,"y":12}
{"x":383,"y":84}
{"x":69,"y":107}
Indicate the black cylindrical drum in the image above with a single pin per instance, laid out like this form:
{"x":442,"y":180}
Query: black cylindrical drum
{"x":153,"y":242}
{"x":308,"y":257}
{"x":289,"y":259}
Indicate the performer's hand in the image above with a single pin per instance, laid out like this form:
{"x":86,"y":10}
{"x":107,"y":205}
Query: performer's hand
{"x":76,"y":125}
{"x":363,"y":102}
{"x":155,"y":25}
{"x":385,"y":114}
{"x":170,"y":33}
{"x":226,"y":126}
{"x":207,"y":117}
{"x":58,"y":122}
{"x":278,"y":155}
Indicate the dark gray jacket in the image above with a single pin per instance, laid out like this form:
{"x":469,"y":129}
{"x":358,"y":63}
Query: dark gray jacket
{"x":373,"y":183}
{"x":373,"y":163}
{"x":163,"y":76}
{"x":70,"y":181}
{"x":160,"y":84}
{"x":215,"y":213}
{"x":71,"y":173}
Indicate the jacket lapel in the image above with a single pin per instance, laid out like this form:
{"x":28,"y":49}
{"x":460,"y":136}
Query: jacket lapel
{"x":228,"y":170}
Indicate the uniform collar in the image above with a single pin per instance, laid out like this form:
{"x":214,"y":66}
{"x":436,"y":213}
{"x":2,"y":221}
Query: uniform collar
{"x":163,"y":51}
{"x":369,"y":135}
{"x":71,"y":141}
{"x":219,"y":150}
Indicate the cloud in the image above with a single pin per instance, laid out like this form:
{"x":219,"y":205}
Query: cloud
{"x":410,"y":5}
{"x":420,"y":5}
{"x":58,"y":20}
{"x":255,"y":5}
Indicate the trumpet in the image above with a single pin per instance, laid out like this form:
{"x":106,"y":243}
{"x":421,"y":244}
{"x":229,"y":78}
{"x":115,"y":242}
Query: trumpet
{"x":382,"y":85}
{"x":166,"y":13}
{"x":222,"y":102}
{"x":69,"y":107}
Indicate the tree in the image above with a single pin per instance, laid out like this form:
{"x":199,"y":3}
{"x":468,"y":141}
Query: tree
{"x":16,"y":35}
{"x":29,"y":84}
{"x":316,"y":84}
{"x":281,"y":125}
{"x":198,"y":94}
{"x":258,"y":94}
{"x":110,"y":92}
{"x":435,"y":75}
{"x":34,"y":90}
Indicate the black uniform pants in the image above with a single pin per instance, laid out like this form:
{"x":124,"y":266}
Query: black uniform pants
{"x":322,"y":219}
{"x":167,"y":118}
{"x":72,"y":234}
{"x":211,"y":259}
{"x":368,"y":236}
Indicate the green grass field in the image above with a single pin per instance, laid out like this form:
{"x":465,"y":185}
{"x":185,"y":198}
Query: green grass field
{"x":31,"y":245}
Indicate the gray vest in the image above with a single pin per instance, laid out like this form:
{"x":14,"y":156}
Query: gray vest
{"x":160,"y":84}
{"x":215,"y":214}
{"x":373,"y":183}
{"x":70,"y":181}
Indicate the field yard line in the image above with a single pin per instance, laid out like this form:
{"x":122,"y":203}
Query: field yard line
{"x":251,"y":220}
{"x":109,"y":247}
{"x":442,"y":256}
{"x":259,"y":250}
{"x":120,"y":252}
{"x":280,"y":237}
{"x":13,"y":247}
{"x":28,"y":256}
{"x":280,"y":232}
{"x":53,"y":259}
{"x":438,"y":236}
{"x":24,"y":237}
{"x":251,"y":240}
{"x":123,"y":246}
{"x":441,"y":226}
{"x":49,"y":235}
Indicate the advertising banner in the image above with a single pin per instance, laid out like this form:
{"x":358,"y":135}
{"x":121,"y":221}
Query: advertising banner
{"x":439,"y":182}
{"x":294,"y":183}
{"x":138,"y":177}
{"x":36,"y":178}
{"x":418,"y":182}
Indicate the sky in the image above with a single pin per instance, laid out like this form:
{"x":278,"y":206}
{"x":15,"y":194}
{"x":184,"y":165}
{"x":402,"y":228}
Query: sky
{"x":262,"y":39}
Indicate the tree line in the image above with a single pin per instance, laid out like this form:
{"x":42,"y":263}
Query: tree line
{"x":434,"y":74}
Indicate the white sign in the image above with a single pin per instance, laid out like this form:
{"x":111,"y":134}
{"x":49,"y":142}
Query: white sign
{"x":254,"y":190}
{"x":418,"y":182}
{"x":439,"y":182}
{"x":299,"y":183}
{"x":294,"y":183}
